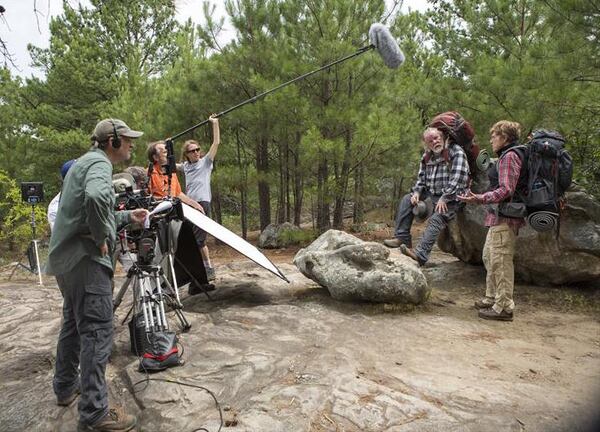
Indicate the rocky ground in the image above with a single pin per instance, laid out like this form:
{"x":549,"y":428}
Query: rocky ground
{"x":287,"y":357}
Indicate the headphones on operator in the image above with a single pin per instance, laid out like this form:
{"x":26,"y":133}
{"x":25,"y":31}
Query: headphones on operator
{"x":116,"y":142}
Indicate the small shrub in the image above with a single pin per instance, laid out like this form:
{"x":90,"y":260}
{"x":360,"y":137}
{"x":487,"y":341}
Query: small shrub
{"x":290,"y":236}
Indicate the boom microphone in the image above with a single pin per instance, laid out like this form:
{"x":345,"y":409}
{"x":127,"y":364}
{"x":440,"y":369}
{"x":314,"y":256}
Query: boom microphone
{"x":380,"y":38}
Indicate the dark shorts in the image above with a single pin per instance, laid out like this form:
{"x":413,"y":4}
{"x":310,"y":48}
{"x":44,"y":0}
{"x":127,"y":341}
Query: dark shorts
{"x":200,"y":235}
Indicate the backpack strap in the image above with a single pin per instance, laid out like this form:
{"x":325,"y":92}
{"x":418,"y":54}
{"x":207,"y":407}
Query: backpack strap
{"x":521,"y":152}
{"x":445,"y":155}
{"x":427,"y":156}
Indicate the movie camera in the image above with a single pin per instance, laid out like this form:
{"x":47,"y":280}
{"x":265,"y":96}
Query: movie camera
{"x":161,"y":212}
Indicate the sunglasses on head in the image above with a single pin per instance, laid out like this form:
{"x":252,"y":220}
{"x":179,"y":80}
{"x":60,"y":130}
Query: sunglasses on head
{"x":196,"y":150}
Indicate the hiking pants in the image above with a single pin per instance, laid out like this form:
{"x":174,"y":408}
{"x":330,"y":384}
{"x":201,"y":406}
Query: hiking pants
{"x":85,"y":338}
{"x":498,"y":254}
{"x":435,"y":225}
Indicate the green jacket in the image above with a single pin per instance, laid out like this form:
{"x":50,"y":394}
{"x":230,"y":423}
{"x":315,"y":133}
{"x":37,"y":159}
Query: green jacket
{"x":86,"y":217}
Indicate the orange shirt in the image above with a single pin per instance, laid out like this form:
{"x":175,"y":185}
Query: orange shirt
{"x":159,"y":183}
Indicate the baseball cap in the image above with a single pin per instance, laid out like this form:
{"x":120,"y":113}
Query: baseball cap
{"x":106,"y":128}
{"x":423,"y":210}
{"x":122,"y":181}
{"x":64,"y":169}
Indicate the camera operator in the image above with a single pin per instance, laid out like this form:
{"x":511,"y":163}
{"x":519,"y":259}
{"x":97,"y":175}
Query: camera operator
{"x":158,"y":184}
{"x":80,"y":251}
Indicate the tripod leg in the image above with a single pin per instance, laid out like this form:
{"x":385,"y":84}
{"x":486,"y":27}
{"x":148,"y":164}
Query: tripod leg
{"x":119,"y":297}
{"x":160,"y":303}
{"x":29,"y":268}
{"x":171,"y":241}
{"x":16,"y":266}
{"x":176,"y":306}
{"x":146,"y":306}
{"x":185,"y":325}
{"x":37,"y":261}
{"x":175,"y":286}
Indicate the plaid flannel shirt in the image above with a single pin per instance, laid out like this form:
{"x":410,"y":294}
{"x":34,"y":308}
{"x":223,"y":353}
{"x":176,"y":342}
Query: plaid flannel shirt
{"x":509,"y":168}
{"x":441,"y":177}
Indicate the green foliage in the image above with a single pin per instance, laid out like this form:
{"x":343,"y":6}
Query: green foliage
{"x":15,"y":216}
{"x":347,"y":133}
{"x":529,"y":61}
{"x":295,"y":237}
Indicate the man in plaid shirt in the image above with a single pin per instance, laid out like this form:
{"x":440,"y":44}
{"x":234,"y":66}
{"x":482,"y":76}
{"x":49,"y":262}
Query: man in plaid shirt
{"x":499,"y":248}
{"x":443,"y":173}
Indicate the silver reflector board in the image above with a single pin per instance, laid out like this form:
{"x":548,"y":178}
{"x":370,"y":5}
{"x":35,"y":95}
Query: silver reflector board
{"x":233,"y":240}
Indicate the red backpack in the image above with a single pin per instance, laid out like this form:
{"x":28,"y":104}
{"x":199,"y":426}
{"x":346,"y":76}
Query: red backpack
{"x":460,"y":132}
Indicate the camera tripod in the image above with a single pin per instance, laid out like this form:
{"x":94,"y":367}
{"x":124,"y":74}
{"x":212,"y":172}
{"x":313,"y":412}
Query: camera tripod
{"x":33,"y":255}
{"x":149,"y":299}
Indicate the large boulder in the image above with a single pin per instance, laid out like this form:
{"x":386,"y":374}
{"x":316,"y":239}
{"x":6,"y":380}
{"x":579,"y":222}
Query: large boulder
{"x":276,"y":236}
{"x":352,"y":269}
{"x":540,"y":258}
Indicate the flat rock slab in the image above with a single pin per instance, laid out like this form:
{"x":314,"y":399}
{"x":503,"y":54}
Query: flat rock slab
{"x":282,"y":357}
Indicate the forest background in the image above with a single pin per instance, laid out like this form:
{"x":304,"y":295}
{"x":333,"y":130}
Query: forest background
{"x":343,"y":141}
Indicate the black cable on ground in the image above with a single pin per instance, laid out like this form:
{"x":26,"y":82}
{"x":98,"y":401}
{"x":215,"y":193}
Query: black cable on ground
{"x":147,"y":379}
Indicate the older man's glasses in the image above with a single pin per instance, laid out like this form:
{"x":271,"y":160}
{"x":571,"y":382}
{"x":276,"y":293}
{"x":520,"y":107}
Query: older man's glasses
{"x":196,"y":150}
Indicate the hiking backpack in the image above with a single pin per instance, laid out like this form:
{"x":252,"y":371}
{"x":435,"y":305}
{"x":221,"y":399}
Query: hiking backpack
{"x":546,"y":174}
{"x":549,"y":171}
{"x":460,"y":132}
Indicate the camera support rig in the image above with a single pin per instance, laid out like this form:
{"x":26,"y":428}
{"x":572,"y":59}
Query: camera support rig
{"x":152,"y":291}
{"x":32,"y":193}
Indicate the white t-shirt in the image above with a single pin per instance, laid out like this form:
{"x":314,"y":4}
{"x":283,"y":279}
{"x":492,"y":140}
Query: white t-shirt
{"x":52,"y":209}
{"x":197,"y":179}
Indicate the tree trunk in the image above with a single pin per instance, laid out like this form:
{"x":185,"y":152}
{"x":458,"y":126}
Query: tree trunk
{"x":342,"y":180}
{"x":323,"y":217}
{"x":286,"y":173}
{"x":282,"y":205}
{"x":215,"y":208}
{"x":396,"y":196}
{"x":215,"y":203}
{"x":342,"y":183}
{"x":298,"y":191}
{"x":358,"y":213}
{"x":264,"y":193}
{"x":243,"y":188}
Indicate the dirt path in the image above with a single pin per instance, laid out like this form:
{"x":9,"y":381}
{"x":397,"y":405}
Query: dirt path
{"x":284,"y":357}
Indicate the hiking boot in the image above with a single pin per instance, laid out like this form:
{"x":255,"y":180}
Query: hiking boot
{"x":484,"y":303}
{"x":210,"y":274}
{"x":117,"y":420}
{"x":394,"y":243}
{"x":491,"y":314}
{"x":66,"y":401}
{"x":194,"y":289}
{"x":411,"y":254}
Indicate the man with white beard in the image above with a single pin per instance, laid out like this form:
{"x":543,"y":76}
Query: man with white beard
{"x":443,"y":173}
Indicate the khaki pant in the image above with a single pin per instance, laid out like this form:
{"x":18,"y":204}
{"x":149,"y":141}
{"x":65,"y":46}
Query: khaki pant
{"x":498,"y":254}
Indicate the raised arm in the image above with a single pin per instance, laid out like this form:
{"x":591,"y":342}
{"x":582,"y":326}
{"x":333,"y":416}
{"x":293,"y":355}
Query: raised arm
{"x":212,"y":152}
